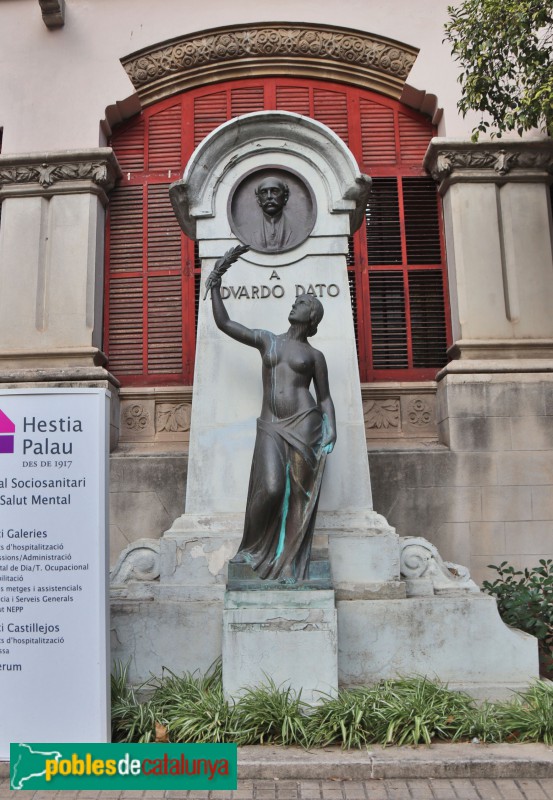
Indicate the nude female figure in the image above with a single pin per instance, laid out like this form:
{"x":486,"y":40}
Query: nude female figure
{"x":295,"y":432}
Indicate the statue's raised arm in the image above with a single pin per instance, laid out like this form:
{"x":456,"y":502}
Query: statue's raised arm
{"x":220,"y":314}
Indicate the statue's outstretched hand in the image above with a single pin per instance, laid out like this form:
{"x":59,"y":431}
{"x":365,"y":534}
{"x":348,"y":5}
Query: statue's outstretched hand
{"x":222,"y":264}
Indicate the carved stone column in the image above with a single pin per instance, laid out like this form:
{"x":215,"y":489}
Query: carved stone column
{"x":500,"y":260}
{"x":51,"y":266}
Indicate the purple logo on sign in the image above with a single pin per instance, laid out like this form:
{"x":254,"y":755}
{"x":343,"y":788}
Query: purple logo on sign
{"x":7,"y":430}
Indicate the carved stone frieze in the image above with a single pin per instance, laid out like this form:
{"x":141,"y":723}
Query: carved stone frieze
{"x":156,"y":417}
{"x":445,"y":158}
{"x":419,"y":411}
{"x":426,"y":573}
{"x":173,"y":417}
{"x":399,"y":410}
{"x":382,"y":414}
{"x":292,"y":47}
{"x":99,"y":166}
{"x":135,"y":417}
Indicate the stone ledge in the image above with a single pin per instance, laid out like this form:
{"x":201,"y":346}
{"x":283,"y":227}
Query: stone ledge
{"x":442,"y":760}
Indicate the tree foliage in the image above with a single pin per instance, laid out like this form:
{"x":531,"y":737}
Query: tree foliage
{"x":505,"y":49}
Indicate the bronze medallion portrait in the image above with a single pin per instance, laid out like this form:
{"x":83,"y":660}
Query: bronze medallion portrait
{"x":272,"y":210}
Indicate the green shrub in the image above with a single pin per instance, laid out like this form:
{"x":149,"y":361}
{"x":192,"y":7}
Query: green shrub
{"x":342,"y":720}
{"x":269,"y":713}
{"x":525,"y":600}
{"x":482,"y":722}
{"x":131,"y":719}
{"x":416,"y":710}
{"x":192,"y":708}
{"x":529,"y":718}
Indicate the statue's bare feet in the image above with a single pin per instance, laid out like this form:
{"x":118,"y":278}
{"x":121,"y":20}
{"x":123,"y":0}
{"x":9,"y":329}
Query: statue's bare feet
{"x":241,"y":557}
{"x":287,"y":576}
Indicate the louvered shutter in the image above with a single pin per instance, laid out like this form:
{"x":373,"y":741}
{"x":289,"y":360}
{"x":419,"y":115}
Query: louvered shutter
{"x":395,"y":262}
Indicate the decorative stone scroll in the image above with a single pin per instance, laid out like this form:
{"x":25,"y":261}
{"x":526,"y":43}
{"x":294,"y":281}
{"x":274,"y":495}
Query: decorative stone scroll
{"x":294,"y":49}
{"x":47,"y":170}
{"x":447,"y":159}
{"x":426,"y":573}
{"x":138,"y":562}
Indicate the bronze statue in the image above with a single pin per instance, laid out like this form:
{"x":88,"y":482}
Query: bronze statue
{"x":294,"y":435}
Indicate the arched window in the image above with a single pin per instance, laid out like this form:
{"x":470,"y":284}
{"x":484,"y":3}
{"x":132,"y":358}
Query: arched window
{"x":396,"y":260}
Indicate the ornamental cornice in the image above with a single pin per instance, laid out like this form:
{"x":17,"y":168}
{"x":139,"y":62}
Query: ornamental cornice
{"x":447,"y":160}
{"x":270,"y":48}
{"x":46,"y":170}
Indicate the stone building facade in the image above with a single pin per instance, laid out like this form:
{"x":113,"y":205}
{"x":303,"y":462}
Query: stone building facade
{"x":95,"y":109}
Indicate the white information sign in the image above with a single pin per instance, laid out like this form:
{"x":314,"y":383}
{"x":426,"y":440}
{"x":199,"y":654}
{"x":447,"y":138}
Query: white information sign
{"x":53,"y":566}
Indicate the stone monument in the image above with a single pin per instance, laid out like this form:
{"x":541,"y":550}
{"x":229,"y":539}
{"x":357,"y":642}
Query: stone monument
{"x":289,"y":186}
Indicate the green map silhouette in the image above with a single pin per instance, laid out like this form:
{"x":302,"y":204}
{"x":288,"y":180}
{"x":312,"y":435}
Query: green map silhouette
{"x":28,"y":764}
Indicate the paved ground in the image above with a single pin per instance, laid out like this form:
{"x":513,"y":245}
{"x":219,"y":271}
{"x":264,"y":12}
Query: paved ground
{"x":385,"y":789}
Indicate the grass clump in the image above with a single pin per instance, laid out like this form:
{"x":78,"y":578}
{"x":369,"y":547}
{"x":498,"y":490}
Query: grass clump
{"x":529,"y":717}
{"x":269,"y":713}
{"x":342,"y":720}
{"x":417,"y":710}
{"x":132,"y":720}
{"x":410,"y":711}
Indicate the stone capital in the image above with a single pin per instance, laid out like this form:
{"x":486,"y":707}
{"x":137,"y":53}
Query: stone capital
{"x":453,"y":160}
{"x":65,"y":172}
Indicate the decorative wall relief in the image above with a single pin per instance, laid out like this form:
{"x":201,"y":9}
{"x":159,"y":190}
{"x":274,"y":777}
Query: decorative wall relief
{"x":419,"y":411}
{"x":135,"y":417}
{"x":381,"y":415}
{"x":171,"y":418}
{"x":400,"y":410}
{"x":156,"y":417}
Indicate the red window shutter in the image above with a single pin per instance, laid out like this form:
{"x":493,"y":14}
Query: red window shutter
{"x":293,"y":98}
{"x":331,"y":108}
{"x":383,"y":223}
{"x":210,"y":111}
{"x":388,"y":321}
{"x":164,"y":235}
{"x":125,"y":323}
{"x":377,"y":134}
{"x":428,"y":327}
{"x":164,"y":140}
{"x":164,"y":324}
{"x":396,"y":264}
{"x":246,"y":100}
{"x":414,"y":137}
{"x":422,"y":226}
{"x":125,"y":242}
{"x":128,"y":143}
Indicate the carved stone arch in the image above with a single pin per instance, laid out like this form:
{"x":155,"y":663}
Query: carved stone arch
{"x":270,"y":49}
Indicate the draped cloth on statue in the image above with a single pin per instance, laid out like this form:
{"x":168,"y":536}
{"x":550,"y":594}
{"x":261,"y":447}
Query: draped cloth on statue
{"x":287,"y":470}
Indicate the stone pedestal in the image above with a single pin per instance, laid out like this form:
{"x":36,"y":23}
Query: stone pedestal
{"x":289,"y":635}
